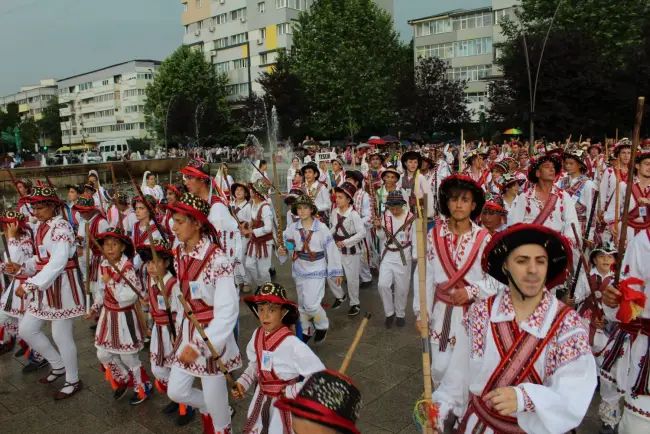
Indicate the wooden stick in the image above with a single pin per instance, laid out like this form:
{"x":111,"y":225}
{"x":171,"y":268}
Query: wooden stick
{"x":87,"y":268}
{"x":276,"y":196}
{"x":161,"y":286}
{"x":215,"y":355}
{"x":622,"y":239}
{"x":421,"y":235}
{"x":616,"y":136}
{"x":355,"y":342}
{"x":617,"y":201}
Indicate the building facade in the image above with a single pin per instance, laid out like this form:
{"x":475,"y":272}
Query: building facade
{"x":242,"y":38}
{"x":32,"y":100}
{"x":465,"y":39}
{"x":106,"y":104}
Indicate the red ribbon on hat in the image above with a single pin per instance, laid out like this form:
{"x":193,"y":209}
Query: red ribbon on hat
{"x":632,"y":301}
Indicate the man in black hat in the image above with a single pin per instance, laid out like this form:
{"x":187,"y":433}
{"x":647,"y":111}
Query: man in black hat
{"x":454,"y":275}
{"x":578,"y":186}
{"x":522,"y":362}
{"x":639,"y":215}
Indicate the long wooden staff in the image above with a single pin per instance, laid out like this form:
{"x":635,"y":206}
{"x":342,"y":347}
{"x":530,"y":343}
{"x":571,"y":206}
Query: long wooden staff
{"x":161,"y":286}
{"x":421,"y":236}
{"x":355,"y":342}
{"x":215,"y":355}
{"x":152,"y":212}
{"x":617,"y":201}
{"x":116,"y":198}
{"x":13,"y":181}
{"x":622,"y":239}
{"x":263,"y":176}
{"x":99,"y":193}
{"x":87,"y":268}
{"x":276,"y":196}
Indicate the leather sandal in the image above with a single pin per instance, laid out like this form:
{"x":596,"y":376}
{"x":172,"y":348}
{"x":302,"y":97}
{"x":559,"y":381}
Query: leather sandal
{"x":46,"y":379}
{"x":76,"y":387}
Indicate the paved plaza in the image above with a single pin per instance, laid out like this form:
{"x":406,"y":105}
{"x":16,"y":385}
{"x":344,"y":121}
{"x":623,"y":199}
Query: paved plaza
{"x":387,"y":367}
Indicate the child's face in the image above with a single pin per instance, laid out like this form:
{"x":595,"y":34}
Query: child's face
{"x":390,"y":179}
{"x":141,"y":212}
{"x":396,"y":210}
{"x":604,"y":262}
{"x":304,"y":211}
{"x":113,"y":249}
{"x":342,"y":200}
{"x":157,"y":268}
{"x":270,"y":316}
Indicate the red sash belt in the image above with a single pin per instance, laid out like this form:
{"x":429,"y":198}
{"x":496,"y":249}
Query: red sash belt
{"x":115,"y":307}
{"x":161,"y":318}
{"x":546,"y":211}
{"x":204,"y":315}
{"x":70,"y":265}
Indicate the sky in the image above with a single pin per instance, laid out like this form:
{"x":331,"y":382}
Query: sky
{"x":61,"y":38}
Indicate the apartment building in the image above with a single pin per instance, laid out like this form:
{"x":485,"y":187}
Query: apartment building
{"x":106,"y":104}
{"x":242,"y":38}
{"x":465,"y":39}
{"x":31,"y":99}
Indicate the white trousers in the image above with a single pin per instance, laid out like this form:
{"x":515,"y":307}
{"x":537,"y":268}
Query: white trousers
{"x":122,"y":366}
{"x":30,"y":330}
{"x":212,"y":400}
{"x":310,"y":295}
{"x":161,"y":373}
{"x":366,"y":258}
{"x":351,"y":265}
{"x":634,"y":423}
{"x":9,"y":325}
{"x":399,"y":277}
{"x":257,"y":269}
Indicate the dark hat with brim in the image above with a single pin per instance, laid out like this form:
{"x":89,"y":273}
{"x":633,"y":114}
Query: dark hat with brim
{"x":390,"y":170}
{"x":577,"y":158}
{"x":117,"y":234}
{"x":311,"y":166}
{"x":461,"y":182}
{"x":304,"y":200}
{"x":411,"y":155}
{"x":347,"y":189}
{"x":326,"y":398}
{"x":503,"y":243}
{"x":78,"y":188}
{"x":640,"y":156}
{"x":273,"y":293}
{"x":44,"y":194}
{"x":161,"y":246}
{"x":85,"y":203}
{"x":502,"y":166}
{"x":601,"y":250}
{"x":356,"y":175}
{"x":235,"y":185}
{"x":395,"y":198}
{"x":535,"y":164}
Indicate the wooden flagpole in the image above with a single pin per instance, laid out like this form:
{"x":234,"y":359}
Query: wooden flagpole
{"x":421,"y":236}
{"x":355,"y":342}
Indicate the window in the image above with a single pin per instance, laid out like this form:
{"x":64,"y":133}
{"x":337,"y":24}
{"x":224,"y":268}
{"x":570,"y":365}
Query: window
{"x":134,"y":109}
{"x":284,"y":29}
{"x":501,"y":15}
{"x":199,"y":25}
{"x":280,"y":4}
{"x":199,"y":3}
{"x":475,"y":97}
{"x":239,"y":38}
{"x":222,"y":18}
{"x":237,"y":14}
{"x":240,"y":63}
{"x":433,"y":27}
{"x":473,"y":47}
{"x":85,"y":86}
{"x":222,"y":67}
{"x":470,"y":73}
{"x":221,"y":43}
{"x":473,"y":21}
{"x":145,"y":76}
{"x":261,"y":7}
{"x":264,"y":59}
{"x":184,"y":7}
{"x":105,"y":83}
{"x":296,"y":4}
{"x":442,"y":51}
{"x":134,"y":92}
{"x":237,"y":89}
{"x":263,"y":33}
{"x":187,"y":29}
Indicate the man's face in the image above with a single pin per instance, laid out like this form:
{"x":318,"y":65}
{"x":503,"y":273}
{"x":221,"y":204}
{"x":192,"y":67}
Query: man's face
{"x":390,"y":179}
{"x":375,"y":162}
{"x":546,"y":172}
{"x":73,"y":195}
{"x":571,"y":166}
{"x":184,"y":227}
{"x":515,"y":148}
{"x":43,"y":212}
{"x":192,"y":183}
{"x":493,"y":154}
{"x":461,"y":205}
{"x":523,"y":158}
{"x":625,"y":156}
{"x":491,"y":220}
{"x":528,"y":265}
{"x":643,"y":168}
{"x":412,"y":165}
{"x":310,"y":175}
{"x":593,"y":152}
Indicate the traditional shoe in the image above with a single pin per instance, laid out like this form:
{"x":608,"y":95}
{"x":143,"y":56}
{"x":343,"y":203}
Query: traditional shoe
{"x":389,"y":321}
{"x":354,"y":310}
{"x":186,"y":418}
{"x":52,"y":376}
{"x":21,"y":352}
{"x":170,"y":408}
{"x":339,"y":302}
{"x":272,"y":271}
{"x":138,"y":398}
{"x":401,"y":322}
{"x":607,"y":429}
{"x":76,"y":387}
{"x":320,"y":336}
{"x":306,"y":338}
{"x":119,"y":393}
{"x":34,"y":366}
{"x":5,"y":348}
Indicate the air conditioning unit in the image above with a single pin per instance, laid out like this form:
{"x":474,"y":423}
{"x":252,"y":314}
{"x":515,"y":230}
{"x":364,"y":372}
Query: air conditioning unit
{"x":221,"y":2}
{"x":260,"y":41}
{"x":242,"y":19}
{"x":212,"y":28}
{"x":197,"y":32}
{"x":213,"y":52}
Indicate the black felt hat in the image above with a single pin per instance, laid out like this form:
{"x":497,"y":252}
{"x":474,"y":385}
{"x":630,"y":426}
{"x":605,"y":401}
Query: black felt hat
{"x":411,"y":155}
{"x":356,"y":175}
{"x":273,"y":293}
{"x":536,"y":163}
{"x":117,"y":234}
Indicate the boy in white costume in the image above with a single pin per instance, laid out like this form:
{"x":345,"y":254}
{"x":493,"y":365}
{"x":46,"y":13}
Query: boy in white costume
{"x":626,"y":358}
{"x":119,"y":336}
{"x":240,"y":207}
{"x":349,"y":232}
{"x":528,"y":354}
{"x":397,"y":239}
{"x":208,"y":285}
{"x":316,"y":190}
{"x":454,"y":275}
{"x":57,"y":291}
{"x":315,"y":257}
{"x":259,"y":250}
{"x":276,"y":360}
{"x":367,"y":208}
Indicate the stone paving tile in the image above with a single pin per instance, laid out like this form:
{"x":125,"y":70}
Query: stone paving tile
{"x":386,"y":366}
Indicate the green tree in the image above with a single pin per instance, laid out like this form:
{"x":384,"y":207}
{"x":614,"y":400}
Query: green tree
{"x":186,"y":100}
{"x":50,"y":123}
{"x":10,"y":118}
{"x":345,"y":55}
{"x":30,"y":133}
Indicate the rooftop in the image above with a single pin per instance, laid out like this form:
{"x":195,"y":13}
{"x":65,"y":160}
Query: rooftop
{"x":155,"y":62}
{"x":452,"y":13}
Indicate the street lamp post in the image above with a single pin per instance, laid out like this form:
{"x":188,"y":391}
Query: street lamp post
{"x":532,"y":89}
